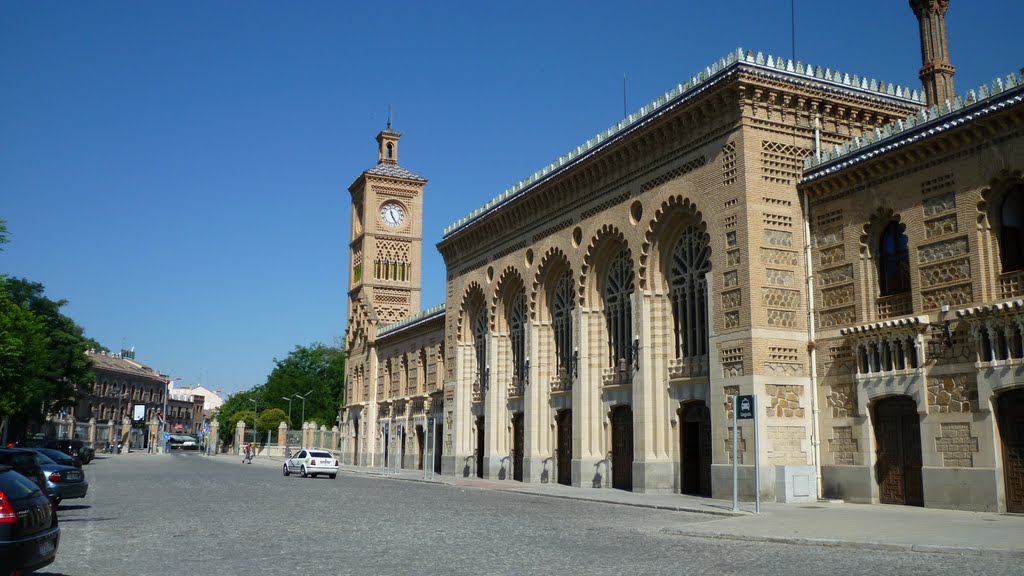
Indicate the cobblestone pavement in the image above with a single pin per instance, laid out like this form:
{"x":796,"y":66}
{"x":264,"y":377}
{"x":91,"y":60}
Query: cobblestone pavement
{"x":190,"y":514}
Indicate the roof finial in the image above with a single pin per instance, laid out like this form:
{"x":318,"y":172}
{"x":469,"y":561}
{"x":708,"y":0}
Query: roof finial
{"x":389,"y":116}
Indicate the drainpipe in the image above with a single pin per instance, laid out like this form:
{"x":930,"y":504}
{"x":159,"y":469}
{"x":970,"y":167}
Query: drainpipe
{"x":811,"y":345}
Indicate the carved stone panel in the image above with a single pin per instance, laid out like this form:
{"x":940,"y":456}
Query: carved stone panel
{"x":952,"y":393}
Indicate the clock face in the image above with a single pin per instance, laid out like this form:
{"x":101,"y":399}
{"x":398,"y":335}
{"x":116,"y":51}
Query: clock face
{"x":392,"y":214}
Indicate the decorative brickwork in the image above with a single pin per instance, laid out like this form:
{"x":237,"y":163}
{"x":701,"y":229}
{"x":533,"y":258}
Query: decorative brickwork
{"x":946,"y":272}
{"x":729,"y":222}
{"x":731,"y":392}
{"x":837,"y":317}
{"x":732,"y":299}
{"x":779,"y":298}
{"x":956,"y":445}
{"x":837,"y":360}
{"x":781,"y":318}
{"x":940,"y":226}
{"x":778,"y":238}
{"x":673,"y":174}
{"x":937,"y":183}
{"x":780,"y":277}
{"x":842,"y":399}
{"x":732,"y":362}
{"x":730,"y":279}
{"x":954,"y":296}
{"x":829,"y":218}
{"x":741,"y":448}
{"x":843,"y":446}
{"x":731,"y":319}
{"x":828,"y":237}
{"x":730,"y":239}
{"x":833,"y":255}
{"x":783,"y":362}
{"x":833,"y":276}
{"x":732,"y":258}
{"x":943,"y":250}
{"x":778,"y":220}
{"x":786,"y":445}
{"x":777,"y":257}
{"x":782,"y":163}
{"x":838,"y":296}
{"x":952,"y":393}
{"x":784,"y":401}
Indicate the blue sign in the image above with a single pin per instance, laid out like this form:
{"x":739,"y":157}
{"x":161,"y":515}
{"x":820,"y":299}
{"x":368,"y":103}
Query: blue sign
{"x":167,"y":436}
{"x":745,"y":406}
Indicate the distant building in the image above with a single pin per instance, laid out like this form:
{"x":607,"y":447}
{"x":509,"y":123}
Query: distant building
{"x":211,"y":399}
{"x":121,"y":383}
{"x":184,"y":410}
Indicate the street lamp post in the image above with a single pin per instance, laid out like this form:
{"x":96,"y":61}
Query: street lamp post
{"x":255,"y":414}
{"x":289,"y":399}
{"x":303,"y":396}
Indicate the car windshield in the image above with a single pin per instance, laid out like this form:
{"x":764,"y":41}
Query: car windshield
{"x":44,"y":459}
{"x":53,"y":454}
{"x":16,"y":486}
{"x":320,"y":454}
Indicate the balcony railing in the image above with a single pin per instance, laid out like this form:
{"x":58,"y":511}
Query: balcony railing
{"x":1011,"y":284}
{"x":692,"y":367}
{"x":895,"y":305}
{"x":516,"y":388}
{"x":620,"y":375}
{"x":477,"y":391}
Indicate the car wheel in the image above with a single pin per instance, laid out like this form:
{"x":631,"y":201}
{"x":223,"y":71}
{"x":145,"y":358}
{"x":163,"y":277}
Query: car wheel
{"x":332,"y":476}
{"x":304,"y":475}
{"x":286,"y":472}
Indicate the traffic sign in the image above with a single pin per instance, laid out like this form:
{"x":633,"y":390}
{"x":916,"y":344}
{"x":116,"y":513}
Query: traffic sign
{"x":745,"y":406}
{"x":167,"y":436}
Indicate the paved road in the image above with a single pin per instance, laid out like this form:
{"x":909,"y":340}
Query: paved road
{"x":186,"y":514}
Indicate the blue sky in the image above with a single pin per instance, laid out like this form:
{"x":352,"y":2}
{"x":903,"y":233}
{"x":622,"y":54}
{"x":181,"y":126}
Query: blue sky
{"x":178,"y":171}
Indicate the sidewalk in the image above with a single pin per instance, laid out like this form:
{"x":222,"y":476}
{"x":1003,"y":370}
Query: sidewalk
{"x":830,"y":524}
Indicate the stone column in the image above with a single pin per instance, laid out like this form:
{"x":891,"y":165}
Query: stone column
{"x":92,"y":432}
{"x":334,"y":439}
{"x":282,"y":438}
{"x":214,"y":437}
{"x":239,"y":436}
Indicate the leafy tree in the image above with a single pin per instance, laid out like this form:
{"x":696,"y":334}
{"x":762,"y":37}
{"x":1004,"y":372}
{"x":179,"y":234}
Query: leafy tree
{"x":269,"y":420}
{"x":235,"y":408}
{"x":3,"y":234}
{"x":44,"y":366}
{"x":317,"y":372}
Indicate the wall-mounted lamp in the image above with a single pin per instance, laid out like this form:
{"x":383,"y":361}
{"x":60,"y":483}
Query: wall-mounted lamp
{"x":945,"y":339}
{"x":636,"y":353}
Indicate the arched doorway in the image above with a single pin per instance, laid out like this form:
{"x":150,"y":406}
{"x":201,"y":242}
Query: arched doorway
{"x":1010,"y":411}
{"x":622,"y":448}
{"x":519,"y":446}
{"x":898,"y":440}
{"x":695,"y":449}
{"x":421,"y":444}
{"x":480,"y":446}
{"x":565,"y":447}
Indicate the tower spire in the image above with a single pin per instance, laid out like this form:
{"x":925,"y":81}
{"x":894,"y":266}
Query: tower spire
{"x":936,"y":71}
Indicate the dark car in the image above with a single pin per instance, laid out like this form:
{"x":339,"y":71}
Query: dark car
{"x":59,"y":457}
{"x":62,"y":482}
{"x":24,"y":462}
{"x":73,"y":448}
{"x":29,"y":534}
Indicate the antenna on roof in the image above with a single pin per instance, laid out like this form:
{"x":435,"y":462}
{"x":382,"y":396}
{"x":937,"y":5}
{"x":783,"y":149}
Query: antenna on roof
{"x":389,"y":116}
{"x":792,"y":17}
{"x":624,"y":113}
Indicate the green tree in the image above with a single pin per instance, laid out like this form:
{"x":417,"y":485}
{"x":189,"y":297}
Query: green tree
{"x":317,"y":372}
{"x":3,"y":234}
{"x":23,"y":355}
{"x":269,"y":420}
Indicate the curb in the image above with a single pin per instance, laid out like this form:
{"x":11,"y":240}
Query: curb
{"x":851,"y":544}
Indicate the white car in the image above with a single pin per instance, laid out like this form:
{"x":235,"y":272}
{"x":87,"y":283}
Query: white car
{"x":311,"y":463}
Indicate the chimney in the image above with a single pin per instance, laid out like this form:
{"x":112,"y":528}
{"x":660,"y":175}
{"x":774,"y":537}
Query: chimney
{"x":936,"y":72}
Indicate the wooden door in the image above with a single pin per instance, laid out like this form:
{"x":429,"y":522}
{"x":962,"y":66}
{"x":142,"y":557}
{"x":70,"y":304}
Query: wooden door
{"x":898,"y":439}
{"x":622,"y":448}
{"x":1010,"y":411}
{"x":565,"y":447}
{"x":518,"y":445}
{"x":421,"y":444}
{"x":355,"y":445}
{"x":480,"y":446}
{"x":695,"y":449}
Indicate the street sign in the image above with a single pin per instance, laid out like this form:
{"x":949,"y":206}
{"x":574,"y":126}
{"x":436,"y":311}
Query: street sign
{"x":167,"y":436}
{"x":745,"y":407}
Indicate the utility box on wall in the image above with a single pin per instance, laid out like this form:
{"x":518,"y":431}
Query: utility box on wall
{"x":795,"y":484}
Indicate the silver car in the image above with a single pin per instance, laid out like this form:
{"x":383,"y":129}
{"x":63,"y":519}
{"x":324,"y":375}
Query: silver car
{"x":62,"y":482}
{"x":311,"y":463}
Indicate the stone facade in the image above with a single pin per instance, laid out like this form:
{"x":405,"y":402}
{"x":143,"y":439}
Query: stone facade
{"x":827,"y":243}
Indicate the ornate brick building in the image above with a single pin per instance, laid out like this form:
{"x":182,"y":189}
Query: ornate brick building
{"x":847,"y":250}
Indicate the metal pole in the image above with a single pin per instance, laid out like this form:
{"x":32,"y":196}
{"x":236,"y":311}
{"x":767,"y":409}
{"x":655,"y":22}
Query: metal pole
{"x":757,"y":466}
{"x":735,"y":441}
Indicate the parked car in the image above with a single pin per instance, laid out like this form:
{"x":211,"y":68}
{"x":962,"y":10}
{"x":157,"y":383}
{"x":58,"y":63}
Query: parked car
{"x":59,"y":457}
{"x":29,"y":534}
{"x":311,"y":463}
{"x":73,"y":448}
{"x":25,"y":463}
{"x":62,"y":482}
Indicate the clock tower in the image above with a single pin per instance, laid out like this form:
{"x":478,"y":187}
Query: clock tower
{"x":387,"y":236}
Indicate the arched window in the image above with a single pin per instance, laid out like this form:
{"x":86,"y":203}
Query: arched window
{"x":893,"y":261}
{"x":688,"y":288}
{"x":562,"y":307}
{"x":618,"y":312}
{"x":517,"y":332}
{"x":1011,"y":231}
{"x":480,"y":344}
{"x":390,"y":150}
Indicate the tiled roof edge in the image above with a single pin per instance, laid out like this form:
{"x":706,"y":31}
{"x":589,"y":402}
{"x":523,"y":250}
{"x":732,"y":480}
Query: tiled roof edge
{"x":411,"y":320}
{"x":926,"y":121}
